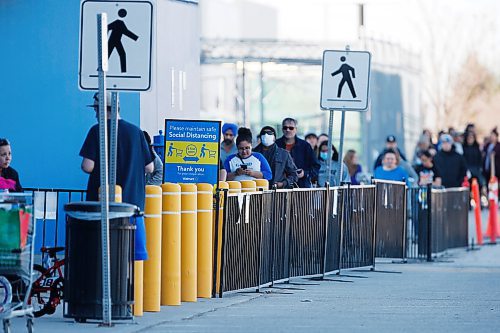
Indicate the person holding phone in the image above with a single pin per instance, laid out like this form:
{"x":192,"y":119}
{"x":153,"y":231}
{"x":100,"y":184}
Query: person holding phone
{"x":246,"y":165}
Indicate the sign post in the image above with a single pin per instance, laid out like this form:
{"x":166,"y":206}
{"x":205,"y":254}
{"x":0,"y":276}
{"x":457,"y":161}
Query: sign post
{"x":102,"y":60}
{"x":344,"y":86}
{"x":192,"y":149}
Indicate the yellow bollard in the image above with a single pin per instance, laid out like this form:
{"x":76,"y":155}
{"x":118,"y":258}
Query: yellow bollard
{"x":262,"y":184}
{"x":188,"y":243}
{"x":118,"y":193}
{"x":248,"y":186}
{"x":222,"y":185}
{"x":152,"y":266}
{"x":138,"y":288}
{"x":171,"y":245}
{"x":234,"y":186}
{"x":205,"y":250}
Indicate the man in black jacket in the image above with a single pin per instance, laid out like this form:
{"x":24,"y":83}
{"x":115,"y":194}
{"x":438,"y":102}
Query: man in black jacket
{"x":280,"y":161}
{"x":302,"y":153}
{"x":450,"y":164}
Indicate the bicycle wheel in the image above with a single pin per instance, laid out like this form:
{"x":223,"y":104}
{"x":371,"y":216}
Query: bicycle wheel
{"x":5,"y":292}
{"x":56,"y":295}
{"x":40,"y":294}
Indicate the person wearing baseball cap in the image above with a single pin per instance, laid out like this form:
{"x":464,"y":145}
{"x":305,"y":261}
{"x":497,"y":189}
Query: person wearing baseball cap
{"x":133,"y":160}
{"x":281,"y":163}
{"x":451,"y":165}
{"x":390,"y":143}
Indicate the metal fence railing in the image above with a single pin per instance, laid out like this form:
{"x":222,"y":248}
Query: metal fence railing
{"x":449,"y":218}
{"x":50,"y":221}
{"x":438,"y":215}
{"x":390,"y":202}
{"x":307,"y":232}
{"x":358,"y":227}
{"x":273,"y":236}
{"x":334,"y":230}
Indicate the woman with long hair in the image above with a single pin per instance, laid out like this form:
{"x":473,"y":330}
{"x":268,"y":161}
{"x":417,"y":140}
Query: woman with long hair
{"x":354,"y":168}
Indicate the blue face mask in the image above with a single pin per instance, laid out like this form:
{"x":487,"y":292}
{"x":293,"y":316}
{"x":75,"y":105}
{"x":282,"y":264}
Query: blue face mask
{"x":323,"y":155}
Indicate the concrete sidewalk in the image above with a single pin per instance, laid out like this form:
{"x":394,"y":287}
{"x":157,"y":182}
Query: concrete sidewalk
{"x":459,"y":293}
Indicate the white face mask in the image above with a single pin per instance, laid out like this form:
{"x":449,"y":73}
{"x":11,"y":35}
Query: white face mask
{"x":267,"y":139}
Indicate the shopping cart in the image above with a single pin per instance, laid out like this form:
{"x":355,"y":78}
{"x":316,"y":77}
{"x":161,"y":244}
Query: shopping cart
{"x":17,"y":234}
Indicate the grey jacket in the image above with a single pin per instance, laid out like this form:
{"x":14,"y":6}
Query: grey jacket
{"x":156,"y":177}
{"x":282,"y":166}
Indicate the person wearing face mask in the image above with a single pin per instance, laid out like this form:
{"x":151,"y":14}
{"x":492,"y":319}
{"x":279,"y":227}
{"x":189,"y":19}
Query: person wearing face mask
{"x":281,"y":163}
{"x":334,"y":167}
{"x":246,"y":165}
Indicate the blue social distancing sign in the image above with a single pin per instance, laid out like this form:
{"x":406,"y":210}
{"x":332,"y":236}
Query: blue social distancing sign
{"x":191,"y":151}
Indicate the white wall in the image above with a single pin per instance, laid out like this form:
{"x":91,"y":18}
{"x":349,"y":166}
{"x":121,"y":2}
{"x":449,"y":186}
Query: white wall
{"x":238,"y":19}
{"x":176,"y":66}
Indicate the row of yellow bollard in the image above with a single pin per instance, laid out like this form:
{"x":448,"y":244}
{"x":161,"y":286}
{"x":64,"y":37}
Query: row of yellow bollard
{"x":179,"y":222}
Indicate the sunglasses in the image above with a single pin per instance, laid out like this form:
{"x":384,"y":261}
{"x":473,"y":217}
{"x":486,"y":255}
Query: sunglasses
{"x":288,"y":128}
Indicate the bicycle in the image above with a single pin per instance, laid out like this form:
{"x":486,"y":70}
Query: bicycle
{"x":48,"y":285}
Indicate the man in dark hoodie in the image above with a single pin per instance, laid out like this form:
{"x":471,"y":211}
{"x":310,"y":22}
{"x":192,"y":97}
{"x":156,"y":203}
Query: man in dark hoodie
{"x":451,"y":165}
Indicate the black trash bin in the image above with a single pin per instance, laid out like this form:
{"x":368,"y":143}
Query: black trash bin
{"x":83,"y":266}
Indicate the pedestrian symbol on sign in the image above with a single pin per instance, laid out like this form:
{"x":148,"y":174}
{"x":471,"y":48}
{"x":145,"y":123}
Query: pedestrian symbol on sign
{"x":342,"y":69}
{"x":118,"y":29}
{"x":346,"y":71}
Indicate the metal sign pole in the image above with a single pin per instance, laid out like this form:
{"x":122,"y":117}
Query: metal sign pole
{"x":102,"y":60}
{"x":330,"y":142}
{"x":113,"y":139}
{"x":340,"y":168}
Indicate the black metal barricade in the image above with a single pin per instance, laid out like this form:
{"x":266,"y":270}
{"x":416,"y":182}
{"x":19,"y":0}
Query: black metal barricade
{"x":417,"y":222}
{"x":307,"y":232}
{"x":279,"y":254}
{"x":449,"y":218}
{"x":242,"y":248}
{"x":334,"y":230}
{"x":272,"y":236}
{"x":358,"y":227}
{"x":266,"y":239}
{"x":445,"y":224}
{"x":390,"y":215}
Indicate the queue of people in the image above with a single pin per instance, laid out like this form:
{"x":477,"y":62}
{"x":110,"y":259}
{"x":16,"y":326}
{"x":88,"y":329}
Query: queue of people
{"x":292,"y":161}
{"x":450,"y":161}
{"x":289,"y":161}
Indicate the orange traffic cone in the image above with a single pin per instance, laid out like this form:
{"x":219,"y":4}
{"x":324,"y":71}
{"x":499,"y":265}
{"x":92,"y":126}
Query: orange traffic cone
{"x":477,"y":210}
{"x":493,"y":226}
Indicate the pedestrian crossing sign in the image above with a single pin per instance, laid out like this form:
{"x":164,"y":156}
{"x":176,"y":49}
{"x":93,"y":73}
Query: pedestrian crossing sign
{"x":345,"y":80}
{"x":130,"y":27}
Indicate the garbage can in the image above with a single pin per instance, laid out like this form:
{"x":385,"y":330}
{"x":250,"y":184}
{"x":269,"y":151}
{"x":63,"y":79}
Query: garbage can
{"x":83,"y":266}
